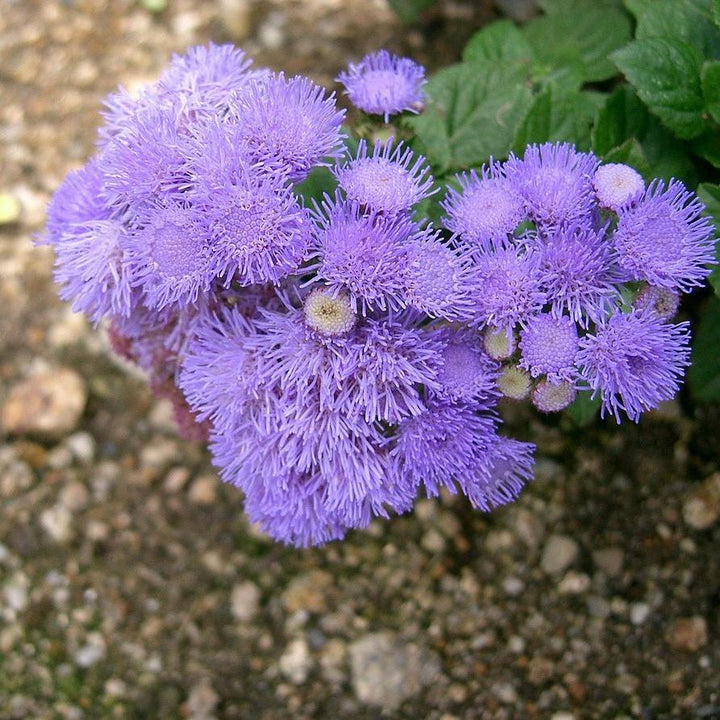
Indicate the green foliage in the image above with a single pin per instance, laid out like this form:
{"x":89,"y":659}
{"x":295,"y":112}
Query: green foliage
{"x":584,"y":409}
{"x":666,"y":74}
{"x":704,"y":373}
{"x":710,"y":195}
{"x":472,"y":111}
{"x":409,"y":11}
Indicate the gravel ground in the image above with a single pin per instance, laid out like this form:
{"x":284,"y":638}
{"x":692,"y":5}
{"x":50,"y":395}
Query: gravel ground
{"x":131,"y":585}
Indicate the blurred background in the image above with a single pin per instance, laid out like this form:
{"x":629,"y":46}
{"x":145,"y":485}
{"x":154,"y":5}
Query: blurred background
{"x":131,"y":585}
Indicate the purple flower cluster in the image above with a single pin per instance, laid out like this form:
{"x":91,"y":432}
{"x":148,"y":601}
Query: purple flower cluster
{"x":342,"y":357}
{"x":581,"y":268}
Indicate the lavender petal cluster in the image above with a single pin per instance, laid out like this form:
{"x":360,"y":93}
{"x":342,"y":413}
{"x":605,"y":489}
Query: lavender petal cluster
{"x":583,"y":266}
{"x":340,"y":356}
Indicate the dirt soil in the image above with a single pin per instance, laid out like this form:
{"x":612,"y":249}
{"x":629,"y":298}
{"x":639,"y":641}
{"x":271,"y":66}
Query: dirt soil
{"x":131,"y":585}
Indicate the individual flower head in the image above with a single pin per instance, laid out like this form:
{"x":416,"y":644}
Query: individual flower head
{"x":664,"y":238}
{"x":486,"y":209}
{"x":617,"y":185}
{"x":146,"y":162}
{"x":361,"y":253}
{"x":514,"y":383}
{"x":634,"y":361}
{"x":468,"y":375}
{"x":442,"y":445}
{"x":329,"y":313}
{"x":289,"y":124}
{"x":553,"y":395}
{"x":210,"y":71}
{"x":549,"y":346}
{"x":384,"y":84}
{"x":389,"y":178}
{"x":507,"y":468}
{"x":579,"y":273}
{"x":555,"y":181}
{"x":169,"y":257}
{"x":662,"y":302}
{"x":294,"y":512}
{"x":439,"y":279}
{"x":510,"y":288}
{"x":257,"y":230}
{"x":88,"y":244}
{"x":500,"y":343}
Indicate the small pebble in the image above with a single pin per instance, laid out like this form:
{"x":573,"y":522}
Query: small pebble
{"x":639,"y":613}
{"x":295,"y":662}
{"x":688,"y":634}
{"x":244,"y":601}
{"x":9,"y":209}
{"x":701,"y":508}
{"x":609,"y":560}
{"x":559,"y":553}
{"x":203,"y":490}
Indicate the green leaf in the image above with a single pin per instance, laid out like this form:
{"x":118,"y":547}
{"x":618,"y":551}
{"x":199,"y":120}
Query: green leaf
{"x":472,"y":112}
{"x":686,"y":20}
{"x":710,"y":81}
{"x":500,"y":40}
{"x":315,"y":185}
{"x":704,"y":373}
{"x":710,"y":196}
{"x":666,"y":76}
{"x":716,"y":12}
{"x":579,"y":31}
{"x":623,"y":116}
{"x":630,"y":153}
{"x":667,"y":156}
{"x":584,"y":408}
{"x":556,"y":115}
{"x":409,"y":11}
{"x":707,"y":146}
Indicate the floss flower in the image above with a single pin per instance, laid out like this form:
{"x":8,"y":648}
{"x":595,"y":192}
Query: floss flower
{"x":339,"y":352}
{"x":384,"y":84}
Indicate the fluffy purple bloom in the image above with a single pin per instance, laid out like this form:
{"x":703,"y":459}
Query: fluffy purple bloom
{"x":389,"y":178}
{"x":289,"y":125}
{"x":635,"y":361}
{"x":468,"y":375}
{"x":169,"y":257}
{"x":555,"y":181}
{"x":579,"y":273}
{"x":617,"y":185}
{"x":147,"y":161}
{"x":362,"y":253}
{"x":256,"y":228}
{"x":510,"y":288}
{"x":549,"y":346}
{"x":452,"y":446}
{"x":486,"y":209}
{"x":88,"y":243}
{"x":384,"y":84}
{"x":438,"y":279}
{"x":665,"y":239}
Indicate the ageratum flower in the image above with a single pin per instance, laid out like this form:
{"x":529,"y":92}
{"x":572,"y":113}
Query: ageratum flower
{"x":169,"y":257}
{"x":617,"y":185}
{"x":361,"y":253}
{"x":511,"y":290}
{"x":549,"y":346}
{"x":486,"y":209}
{"x":289,"y":124}
{"x":555,"y":181}
{"x":439,"y":279}
{"x":578,"y":271}
{"x":553,"y":395}
{"x":661,"y":301}
{"x":147,"y":161}
{"x":389,"y":179}
{"x":88,"y":243}
{"x":256,"y":228}
{"x":634,"y":361}
{"x":665,"y":239}
{"x":452,"y":446}
{"x":384,"y":84}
